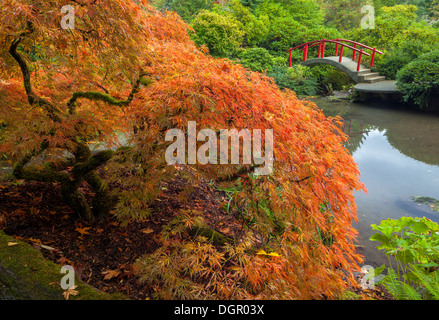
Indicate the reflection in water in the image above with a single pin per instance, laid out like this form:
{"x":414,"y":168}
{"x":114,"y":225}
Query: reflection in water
{"x":397,"y":152}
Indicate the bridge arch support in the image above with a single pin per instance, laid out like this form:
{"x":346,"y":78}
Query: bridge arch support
{"x":349,"y":67}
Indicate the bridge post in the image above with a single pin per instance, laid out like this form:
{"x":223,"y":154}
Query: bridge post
{"x":290,"y":60}
{"x":373,"y":57}
{"x":353,"y":55}
{"x":320,"y":50}
{"x":305,"y":53}
{"x":359,"y":60}
{"x":341,"y":54}
{"x":323,"y":48}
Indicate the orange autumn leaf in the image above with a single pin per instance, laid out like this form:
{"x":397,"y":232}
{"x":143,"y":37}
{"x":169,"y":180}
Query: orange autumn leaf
{"x":70,"y":292}
{"x":83,"y":230}
{"x":110,"y":274}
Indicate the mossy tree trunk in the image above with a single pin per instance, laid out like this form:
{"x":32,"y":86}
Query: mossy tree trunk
{"x":83,"y":168}
{"x":84,"y":163}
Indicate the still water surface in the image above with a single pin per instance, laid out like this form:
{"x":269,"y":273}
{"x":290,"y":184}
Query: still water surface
{"x":397,"y":152}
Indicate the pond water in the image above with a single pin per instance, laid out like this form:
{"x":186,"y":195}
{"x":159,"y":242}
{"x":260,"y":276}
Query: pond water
{"x":397,"y":151}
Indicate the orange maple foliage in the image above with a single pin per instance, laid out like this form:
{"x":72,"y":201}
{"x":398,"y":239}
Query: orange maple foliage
{"x":128,"y":66}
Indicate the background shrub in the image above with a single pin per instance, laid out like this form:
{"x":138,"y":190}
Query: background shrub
{"x":187,"y":9}
{"x":222,"y":34}
{"x":395,"y":59}
{"x":419,"y":78}
{"x":299,"y":78}
{"x":258,"y":59}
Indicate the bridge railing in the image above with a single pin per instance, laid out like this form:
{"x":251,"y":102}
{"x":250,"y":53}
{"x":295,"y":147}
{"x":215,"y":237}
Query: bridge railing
{"x":339,"y":44}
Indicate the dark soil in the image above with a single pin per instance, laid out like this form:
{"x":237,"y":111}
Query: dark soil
{"x":102,"y":254}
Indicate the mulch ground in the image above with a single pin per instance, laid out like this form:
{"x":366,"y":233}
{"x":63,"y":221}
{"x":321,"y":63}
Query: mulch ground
{"x":103,"y":254}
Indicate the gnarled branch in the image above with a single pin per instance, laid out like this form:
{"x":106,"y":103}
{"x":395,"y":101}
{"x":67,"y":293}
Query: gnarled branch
{"x":31,"y":96}
{"x":105,"y":97}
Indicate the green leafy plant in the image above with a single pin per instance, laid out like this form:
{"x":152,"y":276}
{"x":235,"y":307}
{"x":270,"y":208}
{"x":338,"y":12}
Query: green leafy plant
{"x":390,"y":21}
{"x":298,"y":78}
{"x":258,"y":59}
{"x":398,"y":57}
{"x":255,"y":29}
{"x":414,"y":243}
{"x":186,"y":9}
{"x":222,"y":34}
{"x":418,"y":79}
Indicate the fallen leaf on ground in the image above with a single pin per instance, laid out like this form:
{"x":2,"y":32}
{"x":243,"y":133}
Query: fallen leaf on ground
{"x":48,"y":247}
{"x":225,"y":230}
{"x":147,"y":230}
{"x":2,"y":219}
{"x":83,"y":231}
{"x":63,"y":260}
{"x":69,"y":292}
{"x":10,"y":244}
{"x":109,"y":274}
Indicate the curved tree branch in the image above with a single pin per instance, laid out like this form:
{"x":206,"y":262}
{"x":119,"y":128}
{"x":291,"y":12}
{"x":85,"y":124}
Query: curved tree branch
{"x":105,"y":97}
{"x":31,"y":96}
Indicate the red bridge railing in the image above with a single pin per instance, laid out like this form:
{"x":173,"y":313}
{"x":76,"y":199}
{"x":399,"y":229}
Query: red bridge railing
{"x":340,"y":44}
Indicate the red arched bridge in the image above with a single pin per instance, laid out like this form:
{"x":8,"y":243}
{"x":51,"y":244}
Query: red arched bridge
{"x":352,"y":66}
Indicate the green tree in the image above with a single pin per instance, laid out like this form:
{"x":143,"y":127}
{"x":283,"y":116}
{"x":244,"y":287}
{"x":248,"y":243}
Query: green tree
{"x":407,"y":45}
{"x":292,"y":23}
{"x":342,"y":14}
{"x":306,"y":12}
{"x":187,"y":9}
{"x":251,"y":4}
{"x":389,"y":22}
{"x":283,"y":34}
{"x":255,"y":29}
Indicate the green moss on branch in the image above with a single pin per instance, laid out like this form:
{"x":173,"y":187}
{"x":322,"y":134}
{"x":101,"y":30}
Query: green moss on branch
{"x":81,"y":169}
{"x":105,"y":97}
{"x":216,"y":237}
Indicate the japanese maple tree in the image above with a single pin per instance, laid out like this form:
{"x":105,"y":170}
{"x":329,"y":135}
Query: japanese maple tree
{"x":127,"y":70}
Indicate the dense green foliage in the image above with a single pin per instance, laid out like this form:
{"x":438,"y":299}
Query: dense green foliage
{"x":418,"y":79}
{"x":221,"y":33}
{"x":298,"y":78}
{"x":399,"y":56}
{"x":243,"y":29}
{"x":255,"y":29}
{"x":259,"y":59}
{"x":186,"y":9}
{"x":414,"y":243}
